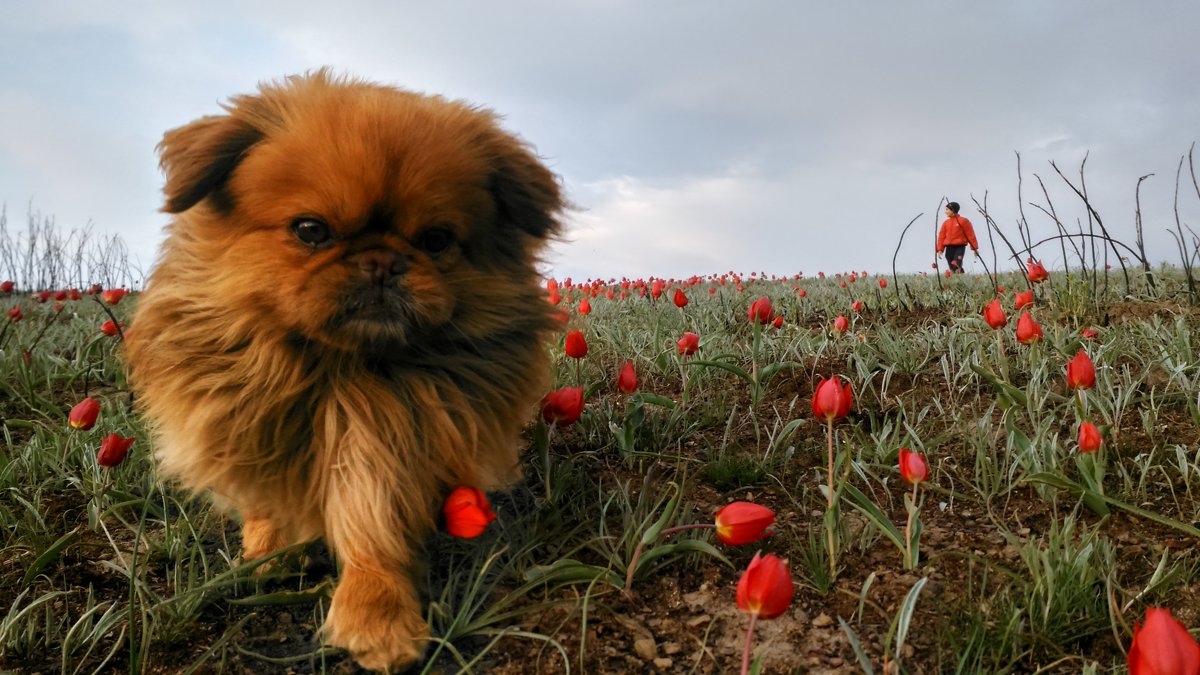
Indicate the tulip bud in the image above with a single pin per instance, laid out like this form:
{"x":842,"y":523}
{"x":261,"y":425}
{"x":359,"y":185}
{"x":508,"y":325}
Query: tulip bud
{"x":740,"y":523}
{"x":83,"y":415}
{"x":1163,"y":645}
{"x":1081,"y":374}
{"x":627,"y":379}
{"x":913,"y":468}
{"x":766,"y":587}
{"x":467,"y":512}
{"x":576,"y":345}
{"x":113,"y":450}
{"x":563,"y":406}
{"x":1089,"y":438}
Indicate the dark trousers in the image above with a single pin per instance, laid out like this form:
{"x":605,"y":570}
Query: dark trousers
{"x":954,"y":257}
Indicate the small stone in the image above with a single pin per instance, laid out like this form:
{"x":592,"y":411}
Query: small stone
{"x":663,"y":664}
{"x":823,"y":620}
{"x":646,"y":648}
{"x":837,"y":661}
{"x":670,"y":648}
{"x":284,"y":618}
{"x":699,"y":620}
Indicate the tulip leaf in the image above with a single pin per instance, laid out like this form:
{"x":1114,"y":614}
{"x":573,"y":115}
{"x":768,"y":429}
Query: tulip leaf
{"x":1008,"y":394}
{"x":865,"y":506}
{"x":864,"y":661}
{"x":661,"y":401}
{"x":1055,"y":480}
{"x":49,"y":556}
{"x":282,"y":598}
{"x":681,"y":548}
{"x":568,"y":571}
{"x":723,"y":366}
{"x":772,"y":370}
{"x":668,"y":513}
{"x":904,"y":618}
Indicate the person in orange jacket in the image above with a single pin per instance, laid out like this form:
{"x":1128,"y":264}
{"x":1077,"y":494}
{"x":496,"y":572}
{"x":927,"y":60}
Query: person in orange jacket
{"x":954,"y":236}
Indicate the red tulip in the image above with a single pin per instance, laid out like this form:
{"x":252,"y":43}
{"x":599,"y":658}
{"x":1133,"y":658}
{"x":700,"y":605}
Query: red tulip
{"x":83,"y":415}
{"x":585,"y":307}
{"x":74,"y":294}
{"x":1163,"y":646}
{"x":832,"y":400}
{"x":766,"y":587}
{"x":576,"y":346}
{"x":656,"y":289}
{"x":680,"y":299}
{"x":1037,"y":272}
{"x":740,"y":523}
{"x":688,"y":344}
{"x":467,"y":512}
{"x":43,"y":296}
{"x":913,"y":468}
{"x":1028,"y":330}
{"x":15,"y":314}
{"x":1081,"y":374}
{"x":778,"y":322}
{"x":627,"y":379}
{"x":7,"y":286}
{"x":1089,"y":333}
{"x":1089,"y":438}
{"x":994,"y":315}
{"x":110,"y":329}
{"x":841,"y":324}
{"x":802,"y":293}
{"x":883,"y":282}
{"x":113,"y":295}
{"x":563,"y":406}
{"x":761,"y":311}
{"x":857,"y":306}
{"x":113,"y":450}
{"x":1022,"y":299}
{"x":554,"y":297}
{"x":94,"y":289}
{"x":60,"y":296}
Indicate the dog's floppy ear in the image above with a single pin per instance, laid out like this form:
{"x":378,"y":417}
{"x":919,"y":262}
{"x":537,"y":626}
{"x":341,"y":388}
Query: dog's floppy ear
{"x":197,"y":158}
{"x":527,"y":194}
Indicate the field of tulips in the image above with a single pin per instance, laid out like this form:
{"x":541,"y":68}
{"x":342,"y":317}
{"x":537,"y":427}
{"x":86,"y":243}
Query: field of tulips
{"x":832,"y":473}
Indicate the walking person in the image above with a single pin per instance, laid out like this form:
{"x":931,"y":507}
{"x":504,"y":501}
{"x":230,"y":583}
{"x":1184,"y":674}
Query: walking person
{"x":954,"y":236}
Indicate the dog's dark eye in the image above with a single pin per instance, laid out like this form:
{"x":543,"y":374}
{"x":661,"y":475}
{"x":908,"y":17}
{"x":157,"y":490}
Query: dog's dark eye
{"x":311,"y":232}
{"x":436,"y":240}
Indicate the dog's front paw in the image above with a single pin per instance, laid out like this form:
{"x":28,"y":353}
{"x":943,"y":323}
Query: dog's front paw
{"x":379,"y":622}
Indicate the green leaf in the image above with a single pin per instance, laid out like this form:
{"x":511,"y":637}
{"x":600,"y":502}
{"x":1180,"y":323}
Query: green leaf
{"x":49,"y":556}
{"x":281,"y":598}
{"x":723,"y":366}
{"x":651,"y":535}
{"x":865,"y":506}
{"x":1009,"y":394}
{"x":1063,"y":483}
{"x":568,"y":571}
{"x":772,"y":370}
{"x":864,"y":661}
{"x":904,"y":619}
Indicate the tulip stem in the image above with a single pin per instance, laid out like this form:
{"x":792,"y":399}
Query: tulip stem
{"x":111,"y":316}
{"x":546,"y":459}
{"x":828,"y":521}
{"x":637,"y":552}
{"x":749,"y":638}
{"x":909,"y":563}
{"x":67,"y":445}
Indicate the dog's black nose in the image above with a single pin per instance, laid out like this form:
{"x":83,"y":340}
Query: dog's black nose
{"x":381,"y":266}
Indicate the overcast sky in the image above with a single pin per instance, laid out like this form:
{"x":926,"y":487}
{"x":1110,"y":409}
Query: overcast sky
{"x":694,"y":136}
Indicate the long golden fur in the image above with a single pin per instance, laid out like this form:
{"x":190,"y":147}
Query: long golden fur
{"x":337,"y":388}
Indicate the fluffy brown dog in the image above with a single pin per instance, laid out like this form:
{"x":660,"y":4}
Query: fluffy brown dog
{"x":344,"y":323}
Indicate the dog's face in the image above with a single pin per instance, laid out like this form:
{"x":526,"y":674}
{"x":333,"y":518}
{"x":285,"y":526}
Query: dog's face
{"x":359,"y":216}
